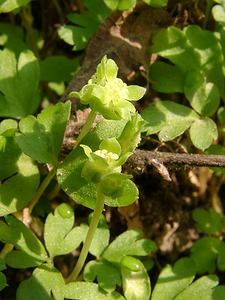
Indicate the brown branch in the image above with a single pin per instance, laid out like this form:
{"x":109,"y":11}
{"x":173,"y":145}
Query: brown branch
{"x":141,"y":159}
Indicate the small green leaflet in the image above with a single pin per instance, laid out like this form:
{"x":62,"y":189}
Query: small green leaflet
{"x":211,"y":258}
{"x":19,"y":177}
{"x":29,"y":250}
{"x":18,"y":84}
{"x":41,"y":138}
{"x":205,"y":288}
{"x":136,"y":282}
{"x":88,"y":291}
{"x":7,"y":6}
{"x":166,"y":78}
{"x":173,"y":280}
{"x":58,"y":68}
{"x":44,"y":283}
{"x":193,"y":49}
{"x":208,"y":221}
{"x":108,"y":276}
{"x":65,"y":239}
{"x":203,"y":132}
{"x":128,"y":243}
{"x":85,"y":24}
{"x":168,"y":118}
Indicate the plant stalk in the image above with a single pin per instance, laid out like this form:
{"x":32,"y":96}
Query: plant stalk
{"x":42,"y":188}
{"x":209,"y":4}
{"x":91,"y":231}
{"x":86,"y":128}
{"x":27,"y":20}
{"x":6,"y":249}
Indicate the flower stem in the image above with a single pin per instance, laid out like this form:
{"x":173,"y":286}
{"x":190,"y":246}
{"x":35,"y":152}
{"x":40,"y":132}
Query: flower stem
{"x":42,"y":188}
{"x":86,"y":128}
{"x":209,"y":4}
{"x":92,"y":228}
{"x":6,"y":249}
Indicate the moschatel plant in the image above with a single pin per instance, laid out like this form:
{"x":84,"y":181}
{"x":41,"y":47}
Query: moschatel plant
{"x":91,"y":175}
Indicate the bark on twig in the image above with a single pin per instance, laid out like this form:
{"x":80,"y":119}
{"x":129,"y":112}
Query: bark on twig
{"x":142,"y":159}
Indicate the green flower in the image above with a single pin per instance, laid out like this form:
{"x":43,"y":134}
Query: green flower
{"x":109,"y":95}
{"x":106,"y":160}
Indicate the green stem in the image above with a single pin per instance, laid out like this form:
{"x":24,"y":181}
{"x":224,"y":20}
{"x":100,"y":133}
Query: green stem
{"x":59,"y":11}
{"x":27,"y":20}
{"x":86,"y":128}
{"x":91,"y":231}
{"x":42,"y":188}
{"x":6,"y":249}
{"x":207,"y":12}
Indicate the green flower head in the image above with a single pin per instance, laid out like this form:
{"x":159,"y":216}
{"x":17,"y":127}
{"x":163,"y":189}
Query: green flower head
{"x":106,"y":160}
{"x":109,"y":95}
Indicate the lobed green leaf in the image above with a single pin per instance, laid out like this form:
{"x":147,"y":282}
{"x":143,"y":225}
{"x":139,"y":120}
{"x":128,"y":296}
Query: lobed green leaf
{"x":18,"y":175}
{"x":107,"y":275}
{"x":88,"y":291}
{"x":41,"y":138}
{"x":136,"y":282}
{"x":59,"y":236}
{"x":44,"y":283}
{"x":128,"y":243}
{"x":173,"y":280}
{"x":203,"y":132}
{"x":208,"y":221}
{"x":7,"y":6}
{"x":18,"y":84}
{"x":168,"y":118}
{"x":29,"y":248}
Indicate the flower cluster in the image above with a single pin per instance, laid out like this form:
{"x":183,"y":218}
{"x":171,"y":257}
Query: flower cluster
{"x":109,"y":95}
{"x":106,"y":160}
